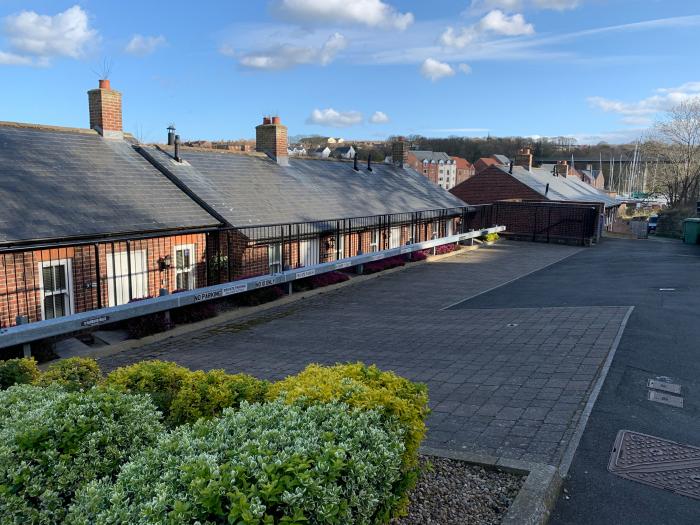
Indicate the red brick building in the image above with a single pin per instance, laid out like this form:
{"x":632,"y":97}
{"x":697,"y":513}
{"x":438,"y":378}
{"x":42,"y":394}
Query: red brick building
{"x":438,"y":167}
{"x":465,"y":169}
{"x":92,"y":219}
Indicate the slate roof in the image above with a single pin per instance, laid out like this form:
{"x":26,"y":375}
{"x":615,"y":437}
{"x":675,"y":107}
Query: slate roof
{"x":64,"y":182}
{"x":560,"y":188}
{"x":437,"y":156}
{"x":502,"y":159}
{"x":250,"y":190}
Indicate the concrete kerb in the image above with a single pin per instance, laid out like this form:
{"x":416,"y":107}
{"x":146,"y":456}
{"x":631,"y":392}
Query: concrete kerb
{"x":536,"y":497}
{"x":253,"y":311}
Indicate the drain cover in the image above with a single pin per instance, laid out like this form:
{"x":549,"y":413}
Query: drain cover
{"x":657,"y":462}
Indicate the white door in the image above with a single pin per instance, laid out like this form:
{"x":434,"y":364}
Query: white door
{"x":309,"y":252}
{"x":450,"y":227}
{"x":118,"y":277}
{"x":395,"y":237}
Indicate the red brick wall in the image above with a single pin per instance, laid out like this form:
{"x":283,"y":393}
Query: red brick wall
{"x":491,"y":185}
{"x":20,"y":275}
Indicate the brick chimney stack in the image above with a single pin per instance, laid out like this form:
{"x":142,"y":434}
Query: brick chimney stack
{"x":399,"y":152}
{"x":562,"y":168}
{"x":106,"y":111}
{"x":271,"y":139}
{"x":524,"y":159}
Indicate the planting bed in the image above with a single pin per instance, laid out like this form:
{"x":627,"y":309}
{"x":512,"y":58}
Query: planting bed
{"x":455,"y":492}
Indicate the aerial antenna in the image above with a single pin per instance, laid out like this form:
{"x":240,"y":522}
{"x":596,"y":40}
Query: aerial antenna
{"x":103,"y":70}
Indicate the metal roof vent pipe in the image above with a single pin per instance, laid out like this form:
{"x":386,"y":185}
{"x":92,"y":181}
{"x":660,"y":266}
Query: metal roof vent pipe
{"x":546,"y":189}
{"x":369,"y":162}
{"x":354,"y":166}
{"x":510,"y":170}
{"x":177,"y":149}
{"x":171,"y":135}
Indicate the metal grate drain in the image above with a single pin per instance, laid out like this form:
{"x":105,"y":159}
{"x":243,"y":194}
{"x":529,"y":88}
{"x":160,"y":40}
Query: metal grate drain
{"x":657,"y":462}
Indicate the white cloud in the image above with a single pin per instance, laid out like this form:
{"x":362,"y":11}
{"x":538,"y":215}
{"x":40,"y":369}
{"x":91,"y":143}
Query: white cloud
{"x":557,"y":5}
{"x":140,"y":45}
{"x":465,"y":68}
{"x":335,"y":119}
{"x":481,"y":6}
{"x":495,"y":21}
{"x":36,"y":38}
{"x":286,"y":56}
{"x":435,"y":70}
{"x":498,"y":22}
{"x":641,"y":112}
{"x":12,"y":59}
{"x":372,"y":13}
{"x":379,"y":117}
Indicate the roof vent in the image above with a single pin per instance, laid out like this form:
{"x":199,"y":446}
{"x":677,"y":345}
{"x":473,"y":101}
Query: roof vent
{"x":177,"y":149}
{"x":171,"y":135}
{"x":369,"y":162}
{"x":354,"y":164}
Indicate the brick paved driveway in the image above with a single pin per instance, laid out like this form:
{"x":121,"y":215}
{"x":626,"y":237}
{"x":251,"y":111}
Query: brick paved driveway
{"x":503,"y":382}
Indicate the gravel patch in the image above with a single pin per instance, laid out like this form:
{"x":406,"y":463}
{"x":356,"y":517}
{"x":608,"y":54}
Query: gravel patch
{"x":455,"y":492}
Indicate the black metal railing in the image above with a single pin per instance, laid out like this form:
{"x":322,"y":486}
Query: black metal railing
{"x":60,"y":278}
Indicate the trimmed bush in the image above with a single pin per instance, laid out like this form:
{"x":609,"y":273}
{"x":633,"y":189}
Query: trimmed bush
{"x":264,"y":464}
{"x":53,"y":441}
{"x":404,"y":404}
{"x":207,"y":394}
{"x":161,"y":380}
{"x":18,"y":372}
{"x":384,"y":264}
{"x":75,"y":373}
{"x":419,"y":255}
{"x":193,"y":313}
{"x":490,"y":237}
{"x":184,"y":396}
{"x":445,"y":248}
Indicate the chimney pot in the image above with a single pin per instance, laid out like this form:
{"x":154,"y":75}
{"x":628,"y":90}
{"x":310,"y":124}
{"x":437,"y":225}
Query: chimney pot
{"x":276,"y":120}
{"x":266,"y":121}
{"x":104,"y":83}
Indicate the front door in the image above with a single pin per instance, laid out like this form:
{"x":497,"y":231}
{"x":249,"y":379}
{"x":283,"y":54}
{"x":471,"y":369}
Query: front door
{"x":395,"y":237}
{"x":309,"y":252}
{"x":118,"y":276}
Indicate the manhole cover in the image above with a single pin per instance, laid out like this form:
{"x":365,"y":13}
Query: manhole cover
{"x":657,"y":462}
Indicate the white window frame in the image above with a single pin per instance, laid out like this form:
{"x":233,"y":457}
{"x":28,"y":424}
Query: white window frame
{"x":274,"y":257}
{"x":374,"y":240}
{"x":192,"y":270}
{"x":394,"y":240}
{"x":340,"y":249}
{"x":70,"y":304}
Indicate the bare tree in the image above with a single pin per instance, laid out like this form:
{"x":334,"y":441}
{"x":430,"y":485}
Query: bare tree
{"x":676,"y":144}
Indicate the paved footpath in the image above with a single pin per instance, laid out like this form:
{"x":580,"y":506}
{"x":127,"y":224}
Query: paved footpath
{"x":507,"y":382}
{"x":661,"y":279}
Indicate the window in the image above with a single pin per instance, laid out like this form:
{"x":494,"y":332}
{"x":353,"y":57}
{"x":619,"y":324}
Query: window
{"x":340,"y":249}
{"x":274,"y":253}
{"x":374,"y":241}
{"x":56,"y":289}
{"x":185,"y":267}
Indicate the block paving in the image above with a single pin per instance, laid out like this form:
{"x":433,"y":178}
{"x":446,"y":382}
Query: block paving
{"x":509,"y":382}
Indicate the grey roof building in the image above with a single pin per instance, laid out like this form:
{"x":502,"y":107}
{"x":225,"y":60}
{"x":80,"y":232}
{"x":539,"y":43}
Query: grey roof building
{"x":65,"y":183}
{"x":436,"y":156}
{"x":252,"y":189}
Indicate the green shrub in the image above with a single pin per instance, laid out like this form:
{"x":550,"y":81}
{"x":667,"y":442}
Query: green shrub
{"x":161,"y":380}
{"x":206,"y":394}
{"x":75,"y":373}
{"x":490,"y":237}
{"x":17,"y":372}
{"x":402,"y":403}
{"x":184,"y":396}
{"x":264,"y":464}
{"x":53,"y":441}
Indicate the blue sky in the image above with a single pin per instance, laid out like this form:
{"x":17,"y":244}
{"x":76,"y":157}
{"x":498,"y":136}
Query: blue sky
{"x":591,"y":69}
